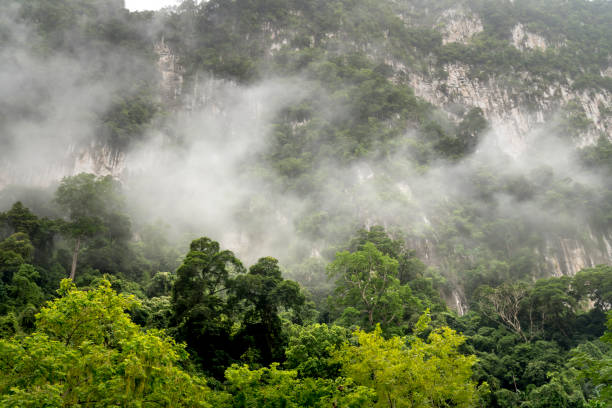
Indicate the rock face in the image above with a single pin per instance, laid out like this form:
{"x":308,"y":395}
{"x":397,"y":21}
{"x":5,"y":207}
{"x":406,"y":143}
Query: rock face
{"x":512,"y":112}
{"x":526,"y":40}
{"x":100,"y":160}
{"x":517,"y":108}
{"x":567,"y":256}
{"x":458,"y":25}
{"x":171,"y":72}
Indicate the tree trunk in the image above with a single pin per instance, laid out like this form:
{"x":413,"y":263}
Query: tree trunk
{"x":75,"y":256}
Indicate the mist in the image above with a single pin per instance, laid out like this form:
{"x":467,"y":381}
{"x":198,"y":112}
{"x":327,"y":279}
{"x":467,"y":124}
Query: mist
{"x":213,"y":182}
{"x":201,"y":169}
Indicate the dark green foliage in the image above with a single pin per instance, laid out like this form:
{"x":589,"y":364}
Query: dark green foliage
{"x":199,"y":311}
{"x":160,"y":285}
{"x":263,"y":292}
{"x":98,"y":23}
{"x":596,"y":284}
{"x":125,"y":122}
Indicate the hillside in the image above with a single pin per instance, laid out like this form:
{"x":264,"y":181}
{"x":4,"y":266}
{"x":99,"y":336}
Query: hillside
{"x":462,"y":147}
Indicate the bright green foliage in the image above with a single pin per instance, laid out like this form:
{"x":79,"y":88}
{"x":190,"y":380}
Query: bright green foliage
{"x":86,"y":352}
{"x":309,"y":349}
{"x":274,"y":388}
{"x":87,"y":316}
{"x":358,"y":57}
{"x":421,"y":373}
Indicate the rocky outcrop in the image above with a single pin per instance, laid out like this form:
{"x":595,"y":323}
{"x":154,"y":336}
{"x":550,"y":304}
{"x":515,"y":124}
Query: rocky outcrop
{"x":96,"y":159}
{"x":523,"y":39}
{"x":567,"y":256}
{"x":458,"y":25}
{"x":171,"y":71}
{"x":512,"y":110}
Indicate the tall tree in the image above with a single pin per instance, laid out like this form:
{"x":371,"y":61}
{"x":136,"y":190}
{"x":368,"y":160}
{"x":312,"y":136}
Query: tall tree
{"x":263,"y":292}
{"x":89,"y":203}
{"x":199,"y":308}
{"x":367,"y":280}
{"x":505,"y":303}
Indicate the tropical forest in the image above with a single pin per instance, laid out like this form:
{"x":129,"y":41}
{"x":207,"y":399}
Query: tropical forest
{"x":306,"y":203}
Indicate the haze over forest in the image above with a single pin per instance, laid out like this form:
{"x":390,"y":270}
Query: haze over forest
{"x":276,"y":194}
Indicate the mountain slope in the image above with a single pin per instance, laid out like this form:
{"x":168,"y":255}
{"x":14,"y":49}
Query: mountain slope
{"x":477,"y":130}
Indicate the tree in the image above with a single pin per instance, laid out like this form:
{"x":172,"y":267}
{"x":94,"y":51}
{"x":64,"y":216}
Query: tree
{"x":409,"y":266}
{"x":18,"y":244}
{"x":596,"y":283}
{"x":40,"y":231}
{"x":89,"y":201}
{"x":86,"y":352}
{"x":367,"y":280}
{"x":200,"y":312}
{"x":504,"y":303}
{"x":23,"y":288}
{"x":597,"y":366}
{"x":423,"y":373}
{"x":15,"y":252}
{"x":555,"y":303}
{"x":309,"y":350}
{"x":263,"y":292}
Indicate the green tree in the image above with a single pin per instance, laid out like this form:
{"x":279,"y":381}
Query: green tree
{"x":504,"y":303}
{"x":263,"y":292}
{"x":430,"y":373}
{"x":86,"y":352}
{"x":23,"y":288}
{"x":19,"y":244}
{"x":89,"y":202}
{"x":200,"y":312}
{"x":309,"y":348}
{"x":367,"y":280}
{"x":597,"y":367}
{"x":40,"y":231}
{"x":596,"y":284}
